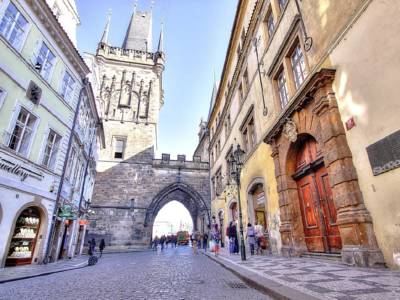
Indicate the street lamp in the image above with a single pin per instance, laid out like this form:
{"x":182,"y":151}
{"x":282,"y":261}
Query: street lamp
{"x":236,"y":164}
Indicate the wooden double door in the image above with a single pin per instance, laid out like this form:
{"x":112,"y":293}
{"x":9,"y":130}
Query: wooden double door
{"x":316,"y":202}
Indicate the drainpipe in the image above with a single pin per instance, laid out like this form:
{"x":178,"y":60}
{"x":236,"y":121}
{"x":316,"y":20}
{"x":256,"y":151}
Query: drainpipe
{"x":60,"y":186}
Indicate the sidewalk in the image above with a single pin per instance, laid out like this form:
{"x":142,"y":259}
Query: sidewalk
{"x":23,"y":272}
{"x":304,"y":278}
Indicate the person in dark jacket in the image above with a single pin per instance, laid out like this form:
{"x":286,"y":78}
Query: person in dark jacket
{"x":233,"y":240}
{"x":102,"y":245}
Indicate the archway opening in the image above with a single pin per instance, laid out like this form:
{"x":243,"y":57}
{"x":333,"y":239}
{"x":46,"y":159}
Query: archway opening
{"x":172,"y":218}
{"x":24,"y":238}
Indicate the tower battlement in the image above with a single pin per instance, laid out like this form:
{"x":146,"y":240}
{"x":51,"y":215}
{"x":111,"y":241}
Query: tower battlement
{"x":129,"y":55}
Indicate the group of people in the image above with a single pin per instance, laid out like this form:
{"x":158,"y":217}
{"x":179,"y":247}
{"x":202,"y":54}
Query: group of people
{"x":164,"y":241}
{"x":92,"y":247}
{"x":254,"y":236}
{"x":199,"y":240}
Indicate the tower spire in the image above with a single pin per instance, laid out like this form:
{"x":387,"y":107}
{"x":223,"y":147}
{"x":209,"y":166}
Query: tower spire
{"x":160,"y":47}
{"x":104,"y":37}
{"x":139,"y":33}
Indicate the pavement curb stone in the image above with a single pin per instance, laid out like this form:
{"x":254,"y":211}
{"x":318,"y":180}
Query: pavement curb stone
{"x":41,"y":274}
{"x":267,"y":286}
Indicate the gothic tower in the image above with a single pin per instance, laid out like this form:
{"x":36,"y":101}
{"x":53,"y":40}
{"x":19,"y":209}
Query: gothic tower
{"x":128,"y":89}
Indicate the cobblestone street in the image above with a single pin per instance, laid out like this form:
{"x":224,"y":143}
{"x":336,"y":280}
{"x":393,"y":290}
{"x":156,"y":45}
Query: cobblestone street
{"x":172,"y":274}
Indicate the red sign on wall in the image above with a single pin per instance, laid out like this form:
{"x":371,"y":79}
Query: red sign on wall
{"x":350,"y":123}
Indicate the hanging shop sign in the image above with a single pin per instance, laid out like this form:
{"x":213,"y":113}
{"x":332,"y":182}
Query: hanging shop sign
{"x":67,"y":212}
{"x":83,"y":222}
{"x":16,"y":169}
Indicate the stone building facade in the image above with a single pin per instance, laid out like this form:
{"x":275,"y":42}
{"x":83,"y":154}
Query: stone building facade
{"x":132,"y":186}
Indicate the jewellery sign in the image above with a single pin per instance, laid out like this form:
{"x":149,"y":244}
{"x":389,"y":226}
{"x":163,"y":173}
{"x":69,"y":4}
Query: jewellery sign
{"x":18,"y":170}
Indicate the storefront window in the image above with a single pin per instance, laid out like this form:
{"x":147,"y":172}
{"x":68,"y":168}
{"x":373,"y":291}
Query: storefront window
{"x":24,"y":238}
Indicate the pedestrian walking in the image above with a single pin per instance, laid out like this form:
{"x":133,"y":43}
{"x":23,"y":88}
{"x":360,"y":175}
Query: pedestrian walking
{"x":216,"y":238}
{"x":251,"y":237}
{"x":162,"y":242}
{"x":259,"y":233}
{"x":102,"y":245}
{"x":233,"y":240}
{"x":205,"y":240}
{"x":93,"y":247}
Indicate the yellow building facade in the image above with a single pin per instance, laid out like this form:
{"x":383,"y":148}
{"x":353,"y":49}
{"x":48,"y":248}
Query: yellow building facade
{"x":300,"y":93}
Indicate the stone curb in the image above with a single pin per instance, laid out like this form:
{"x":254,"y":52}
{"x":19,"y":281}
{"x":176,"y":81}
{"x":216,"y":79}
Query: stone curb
{"x":267,"y":286}
{"x":44,"y":273}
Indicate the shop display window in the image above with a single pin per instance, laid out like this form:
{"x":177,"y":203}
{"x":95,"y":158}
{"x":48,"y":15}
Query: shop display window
{"x":24,"y":238}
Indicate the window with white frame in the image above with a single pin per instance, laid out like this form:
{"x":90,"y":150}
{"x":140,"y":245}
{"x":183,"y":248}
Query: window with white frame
{"x":51,"y":149}
{"x":22,"y":132}
{"x":67,"y":86}
{"x":298,"y":66}
{"x":282,"y":4}
{"x":45,"y":61}
{"x":13,"y":26}
{"x":119,"y":147}
{"x":2,"y":96}
{"x":282,"y":89}
{"x":270,"y":24}
{"x":70,"y":163}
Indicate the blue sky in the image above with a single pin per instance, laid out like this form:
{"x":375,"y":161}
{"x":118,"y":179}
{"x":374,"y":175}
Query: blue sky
{"x":196,"y":38}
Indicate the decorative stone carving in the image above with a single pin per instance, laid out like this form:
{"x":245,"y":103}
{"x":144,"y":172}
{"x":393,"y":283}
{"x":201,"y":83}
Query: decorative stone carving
{"x":290,"y":130}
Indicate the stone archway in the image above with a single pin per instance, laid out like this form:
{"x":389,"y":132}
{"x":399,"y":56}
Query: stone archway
{"x":184,"y":194}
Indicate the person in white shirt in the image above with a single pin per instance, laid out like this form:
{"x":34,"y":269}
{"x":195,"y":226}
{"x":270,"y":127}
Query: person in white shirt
{"x":259,"y":233}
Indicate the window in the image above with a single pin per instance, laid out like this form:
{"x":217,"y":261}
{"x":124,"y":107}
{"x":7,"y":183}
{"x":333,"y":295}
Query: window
{"x":249,"y":135}
{"x":298,"y":66}
{"x":22,"y":133}
{"x":212,"y":156}
{"x":228,"y":121}
{"x":70,"y":163}
{"x":51,"y":150}
{"x":246,"y":80}
{"x":282,"y":4}
{"x":2,"y":96}
{"x":219,"y":147}
{"x":241,"y":92}
{"x":45,"y":61}
{"x":218,"y":182}
{"x":13,"y":26}
{"x":270,"y":24}
{"x":119,"y":148}
{"x":67,"y":86}
{"x":282,"y":89}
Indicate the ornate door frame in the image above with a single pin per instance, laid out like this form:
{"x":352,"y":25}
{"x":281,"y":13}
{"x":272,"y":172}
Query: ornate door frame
{"x":315,"y":112}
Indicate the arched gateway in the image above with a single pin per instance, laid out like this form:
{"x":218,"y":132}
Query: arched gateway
{"x":125,"y":207}
{"x":184,"y":194}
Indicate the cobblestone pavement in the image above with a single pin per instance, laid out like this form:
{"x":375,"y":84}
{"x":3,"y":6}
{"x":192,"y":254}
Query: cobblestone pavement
{"x":13,"y":273}
{"x":323,"y":279}
{"x":171,"y":274}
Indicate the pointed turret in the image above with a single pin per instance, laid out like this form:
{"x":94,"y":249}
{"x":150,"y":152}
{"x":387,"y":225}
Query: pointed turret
{"x":160,"y":47}
{"x":139,"y":33}
{"x":213,"y":96}
{"x":104,"y":37}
